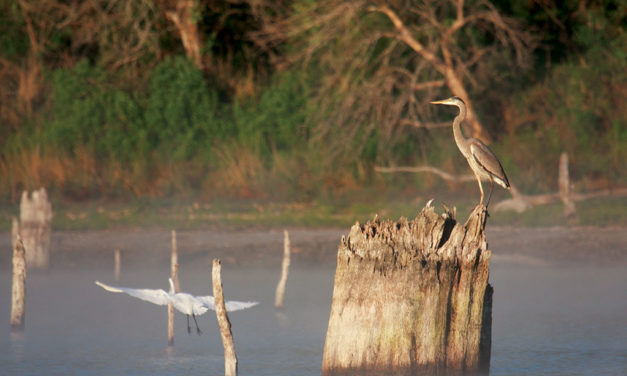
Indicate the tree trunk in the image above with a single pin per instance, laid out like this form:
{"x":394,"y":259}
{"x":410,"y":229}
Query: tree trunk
{"x":411,"y":297}
{"x":35,"y":218}
{"x":183,"y":17}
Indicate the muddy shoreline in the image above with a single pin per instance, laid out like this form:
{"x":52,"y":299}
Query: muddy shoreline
{"x":146,"y":247}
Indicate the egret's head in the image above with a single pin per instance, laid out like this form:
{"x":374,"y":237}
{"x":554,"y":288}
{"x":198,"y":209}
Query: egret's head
{"x":452,"y":101}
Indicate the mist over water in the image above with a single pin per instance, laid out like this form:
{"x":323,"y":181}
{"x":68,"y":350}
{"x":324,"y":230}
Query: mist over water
{"x":546,"y":320}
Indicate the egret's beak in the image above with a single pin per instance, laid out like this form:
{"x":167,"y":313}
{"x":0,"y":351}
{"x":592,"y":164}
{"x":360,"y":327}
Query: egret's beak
{"x":443,"y":101}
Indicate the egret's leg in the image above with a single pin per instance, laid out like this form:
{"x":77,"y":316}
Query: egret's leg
{"x":491,"y":189}
{"x":197,"y":328}
{"x":189,"y":330}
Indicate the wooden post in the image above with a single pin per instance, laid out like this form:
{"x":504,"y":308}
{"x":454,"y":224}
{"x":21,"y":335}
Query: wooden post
{"x":116,"y":265}
{"x":174,"y":271}
{"x":280,"y":288}
{"x":411,"y":297}
{"x":230,"y":359}
{"x":563,"y":183}
{"x":35,"y":218}
{"x":18,"y":293}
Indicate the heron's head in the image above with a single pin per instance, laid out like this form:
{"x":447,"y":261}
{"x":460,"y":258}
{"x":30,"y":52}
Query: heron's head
{"x":452,"y":101}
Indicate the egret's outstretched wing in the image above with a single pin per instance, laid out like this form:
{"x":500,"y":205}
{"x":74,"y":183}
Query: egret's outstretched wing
{"x":159,"y":297}
{"x":231,"y":305}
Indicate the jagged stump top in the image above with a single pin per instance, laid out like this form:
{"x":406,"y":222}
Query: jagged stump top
{"x":427,"y":238}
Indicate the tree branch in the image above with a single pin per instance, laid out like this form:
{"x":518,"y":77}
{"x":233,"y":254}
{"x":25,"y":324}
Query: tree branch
{"x":430,"y":169}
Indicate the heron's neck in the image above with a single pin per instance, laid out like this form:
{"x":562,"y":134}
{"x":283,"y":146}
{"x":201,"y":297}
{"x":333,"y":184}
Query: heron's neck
{"x":457,"y":129}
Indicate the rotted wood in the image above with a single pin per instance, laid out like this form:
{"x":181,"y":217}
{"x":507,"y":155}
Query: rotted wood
{"x":411,"y":296}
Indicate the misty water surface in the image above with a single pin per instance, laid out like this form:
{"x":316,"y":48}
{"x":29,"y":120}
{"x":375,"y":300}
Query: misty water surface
{"x":546,"y":321}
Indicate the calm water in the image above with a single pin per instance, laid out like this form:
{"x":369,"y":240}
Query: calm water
{"x":546,"y":321}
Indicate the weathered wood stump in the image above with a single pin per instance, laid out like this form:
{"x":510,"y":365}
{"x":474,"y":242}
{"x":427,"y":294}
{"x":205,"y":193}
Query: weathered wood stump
{"x":35,"y":218}
{"x":411,"y":297}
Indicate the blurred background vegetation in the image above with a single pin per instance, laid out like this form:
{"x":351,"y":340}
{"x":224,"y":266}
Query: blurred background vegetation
{"x":298,"y":100}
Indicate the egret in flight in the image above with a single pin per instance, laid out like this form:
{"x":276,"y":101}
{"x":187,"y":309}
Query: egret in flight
{"x":186,"y":303}
{"x":481,"y":159}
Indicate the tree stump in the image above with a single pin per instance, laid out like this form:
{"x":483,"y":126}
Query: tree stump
{"x":411,"y":297}
{"x":35,"y":218}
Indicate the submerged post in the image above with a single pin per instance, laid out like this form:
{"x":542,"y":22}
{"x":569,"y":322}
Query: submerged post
{"x":285,"y":266}
{"x":230,"y":359}
{"x":35,"y":218}
{"x":411,"y":297}
{"x":18,"y":290}
{"x":174,"y":271}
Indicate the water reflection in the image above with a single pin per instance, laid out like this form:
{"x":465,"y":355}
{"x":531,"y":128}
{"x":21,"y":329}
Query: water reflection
{"x":547,"y":320}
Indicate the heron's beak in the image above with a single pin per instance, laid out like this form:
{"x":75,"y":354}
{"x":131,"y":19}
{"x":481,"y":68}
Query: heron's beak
{"x":443,"y":101}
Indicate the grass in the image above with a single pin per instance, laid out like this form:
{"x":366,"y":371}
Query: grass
{"x":188,"y":215}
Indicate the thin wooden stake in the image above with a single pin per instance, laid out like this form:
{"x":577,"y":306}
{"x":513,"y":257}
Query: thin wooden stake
{"x":116,"y":265}
{"x":174,"y":270}
{"x":280,"y":288}
{"x":230,"y":359}
{"x":563,"y":183}
{"x":18,"y":294}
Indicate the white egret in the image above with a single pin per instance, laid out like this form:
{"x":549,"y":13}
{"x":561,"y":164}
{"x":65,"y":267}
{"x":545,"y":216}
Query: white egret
{"x":186,"y":303}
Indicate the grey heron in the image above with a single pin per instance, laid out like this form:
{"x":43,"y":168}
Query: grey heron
{"x":186,"y":303}
{"x":481,"y":159}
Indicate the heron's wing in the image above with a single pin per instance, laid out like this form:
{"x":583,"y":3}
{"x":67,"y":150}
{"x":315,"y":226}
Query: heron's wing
{"x":488,"y":161}
{"x":231,"y":305}
{"x":158,"y":297}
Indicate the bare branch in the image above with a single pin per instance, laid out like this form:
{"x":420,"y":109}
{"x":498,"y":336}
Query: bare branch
{"x":430,"y":169}
{"x":406,"y":36}
{"x":427,"y":125}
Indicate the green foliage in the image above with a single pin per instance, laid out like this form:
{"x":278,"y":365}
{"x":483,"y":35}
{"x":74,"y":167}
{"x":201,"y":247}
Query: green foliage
{"x":182,"y":114}
{"x":118,"y":122}
{"x":13,"y":43}
{"x":578,"y":110}
{"x":87,"y":112}
{"x":276,"y":121}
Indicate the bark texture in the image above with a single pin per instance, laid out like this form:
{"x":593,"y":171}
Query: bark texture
{"x":411,"y":297}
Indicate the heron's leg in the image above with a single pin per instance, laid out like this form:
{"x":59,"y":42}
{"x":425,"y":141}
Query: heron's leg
{"x":189,"y":330}
{"x":480,"y":187}
{"x":491,"y":189}
{"x":197,"y":328}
